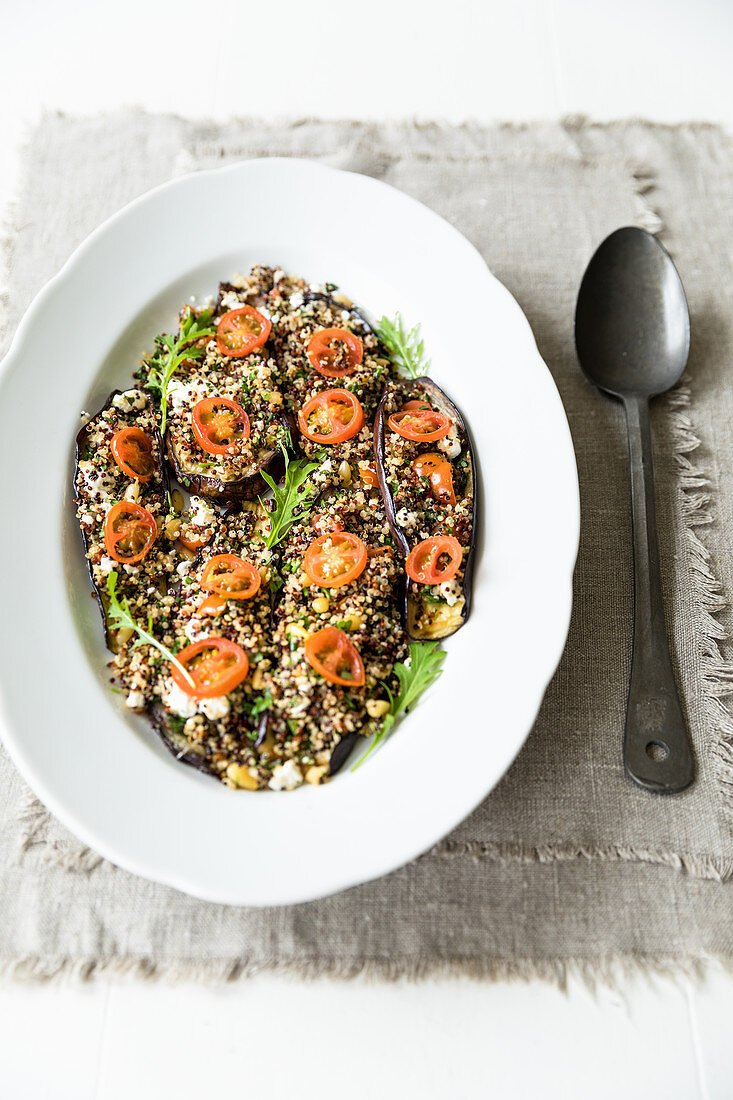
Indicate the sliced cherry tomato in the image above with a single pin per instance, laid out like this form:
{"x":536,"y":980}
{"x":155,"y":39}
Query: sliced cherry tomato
{"x":332,"y":416}
{"x":219,"y":425}
{"x":192,"y":537}
{"x":323,"y":523}
{"x":230,"y":577}
{"x":368,"y":475}
{"x":241,"y":331}
{"x":434,"y":560}
{"x":212,"y":605}
{"x":334,"y":352}
{"x":439,"y":470}
{"x":337,"y":659}
{"x":129,"y":532}
{"x":334,"y":559}
{"x":418,"y":421}
{"x":132,"y":450}
{"x":216,"y":666}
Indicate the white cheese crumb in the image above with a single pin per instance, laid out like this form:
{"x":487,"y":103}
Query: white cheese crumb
{"x":183,"y":568}
{"x":449,"y":444}
{"x":129,"y":400}
{"x":135,"y":700}
{"x":450,"y":591}
{"x":278,"y":275}
{"x":297,"y":299}
{"x":215,"y":708}
{"x":194,"y":630}
{"x":201,"y":513}
{"x":106,"y":564}
{"x":286,"y":777}
{"x":406,"y":519}
{"x":177,"y":701}
{"x":181,"y":393}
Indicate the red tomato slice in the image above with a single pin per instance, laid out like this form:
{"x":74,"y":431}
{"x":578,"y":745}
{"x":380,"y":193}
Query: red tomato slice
{"x":368,"y":475}
{"x":129,"y":532}
{"x":334,"y":352}
{"x":337,"y":659}
{"x":335,"y":559}
{"x":332,"y":416}
{"x":132,"y":450}
{"x":434,"y":560}
{"x":212,"y":605}
{"x":418,"y":421}
{"x":215,"y":665}
{"x":438,"y":469}
{"x":241,"y":331}
{"x":219,"y":425}
{"x":230,"y":577}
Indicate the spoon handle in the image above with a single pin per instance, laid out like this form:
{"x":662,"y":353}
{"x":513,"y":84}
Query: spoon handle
{"x":657,"y":749}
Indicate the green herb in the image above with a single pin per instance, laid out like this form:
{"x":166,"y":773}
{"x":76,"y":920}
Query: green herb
{"x":176,"y":723}
{"x":345,"y":624}
{"x":406,"y":349}
{"x":120,"y":616}
{"x":170,"y":352}
{"x":294,"y":500}
{"x":262,"y":702}
{"x":415,"y":677}
{"x":292,"y":725}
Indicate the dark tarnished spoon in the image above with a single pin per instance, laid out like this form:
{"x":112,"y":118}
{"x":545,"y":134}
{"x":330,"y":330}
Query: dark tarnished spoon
{"x":632,"y":333}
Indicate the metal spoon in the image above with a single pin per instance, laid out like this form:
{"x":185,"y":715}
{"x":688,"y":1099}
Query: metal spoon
{"x":632,"y":334}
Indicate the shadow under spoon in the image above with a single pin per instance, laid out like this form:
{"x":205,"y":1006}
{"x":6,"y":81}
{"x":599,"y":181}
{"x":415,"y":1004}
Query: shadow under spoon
{"x":632,"y":334}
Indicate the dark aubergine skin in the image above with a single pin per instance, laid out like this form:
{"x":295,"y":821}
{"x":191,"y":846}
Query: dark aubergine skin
{"x":443,"y":404}
{"x":162,"y":471}
{"x":342,"y":752}
{"x":216,"y":491}
{"x":159,"y":718}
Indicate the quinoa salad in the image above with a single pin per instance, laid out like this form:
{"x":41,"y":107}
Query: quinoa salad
{"x":278,"y":518}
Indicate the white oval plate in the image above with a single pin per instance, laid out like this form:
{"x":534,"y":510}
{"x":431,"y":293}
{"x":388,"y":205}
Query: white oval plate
{"x":101,"y":770}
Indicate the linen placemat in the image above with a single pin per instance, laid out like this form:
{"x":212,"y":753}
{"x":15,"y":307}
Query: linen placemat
{"x":567,"y":866}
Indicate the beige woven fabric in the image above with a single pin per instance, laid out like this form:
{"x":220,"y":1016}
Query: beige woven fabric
{"x":567,"y":865}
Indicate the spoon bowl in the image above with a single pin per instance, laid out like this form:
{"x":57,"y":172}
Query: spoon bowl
{"x":632,"y":324}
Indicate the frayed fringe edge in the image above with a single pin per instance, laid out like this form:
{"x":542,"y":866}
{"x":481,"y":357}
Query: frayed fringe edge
{"x":698,"y":865}
{"x":611,"y":972}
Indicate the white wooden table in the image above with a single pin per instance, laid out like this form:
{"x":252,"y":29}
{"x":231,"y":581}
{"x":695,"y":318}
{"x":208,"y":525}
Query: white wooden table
{"x":483,"y":59}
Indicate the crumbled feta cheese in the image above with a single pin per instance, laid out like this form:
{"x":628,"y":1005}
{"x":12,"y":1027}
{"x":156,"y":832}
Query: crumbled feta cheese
{"x":194,"y":630}
{"x":183,"y":568}
{"x":201,"y":513}
{"x":181,"y":393}
{"x":449,"y":444}
{"x":406,"y":519}
{"x":106,"y":564}
{"x":286,"y":777}
{"x":278,"y":275}
{"x":450,"y":591}
{"x":129,"y":400}
{"x":135,"y":700}
{"x":215,"y":708}
{"x":177,"y":701}
{"x":297,"y":299}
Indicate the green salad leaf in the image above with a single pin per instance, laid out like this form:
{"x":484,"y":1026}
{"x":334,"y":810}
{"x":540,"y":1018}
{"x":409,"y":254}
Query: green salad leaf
{"x":170,"y":352}
{"x":120,"y":616}
{"x":406,"y":349}
{"x":421,"y":669}
{"x":293,"y":499}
